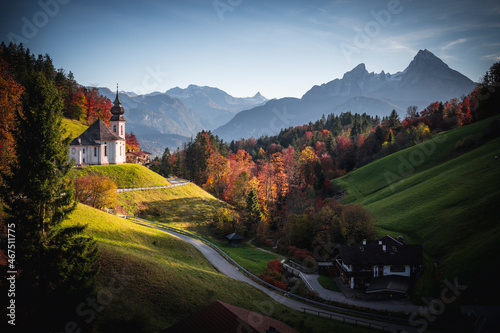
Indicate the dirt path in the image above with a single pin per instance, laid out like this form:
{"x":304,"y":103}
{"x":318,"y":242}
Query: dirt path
{"x":261,"y":249}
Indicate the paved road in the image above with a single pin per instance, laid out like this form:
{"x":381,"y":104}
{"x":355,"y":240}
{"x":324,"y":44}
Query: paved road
{"x":224,"y":267}
{"x":401,"y":305}
{"x":173,"y":183}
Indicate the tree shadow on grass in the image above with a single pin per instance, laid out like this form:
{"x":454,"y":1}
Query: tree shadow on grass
{"x":188,"y":213}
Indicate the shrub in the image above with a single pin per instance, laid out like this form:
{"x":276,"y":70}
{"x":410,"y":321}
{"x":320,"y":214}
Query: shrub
{"x":273,"y":274}
{"x":275,"y":265}
{"x":97,"y":191}
{"x":466,"y":144}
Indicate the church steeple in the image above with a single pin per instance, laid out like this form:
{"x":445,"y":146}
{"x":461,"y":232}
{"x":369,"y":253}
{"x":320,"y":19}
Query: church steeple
{"x":117,"y":122}
{"x":117,"y":109}
{"x":117,"y":99}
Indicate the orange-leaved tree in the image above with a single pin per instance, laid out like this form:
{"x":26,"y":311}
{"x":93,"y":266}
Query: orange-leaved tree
{"x":97,"y":106}
{"x":131,"y":142}
{"x":10,"y":104}
{"x":218,"y":174}
{"x":98,"y":191}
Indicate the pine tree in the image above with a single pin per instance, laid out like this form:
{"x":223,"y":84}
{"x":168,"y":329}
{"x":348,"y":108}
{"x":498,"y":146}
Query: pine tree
{"x":319,"y":175}
{"x":253,"y":209}
{"x":55,"y":263}
{"x":165,"y":168}
{"x":393,"y":120}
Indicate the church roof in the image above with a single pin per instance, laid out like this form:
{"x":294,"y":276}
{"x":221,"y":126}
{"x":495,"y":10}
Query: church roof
{"x":98,"y":131}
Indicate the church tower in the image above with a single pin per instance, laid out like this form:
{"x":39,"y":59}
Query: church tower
{"x":117,"y":122}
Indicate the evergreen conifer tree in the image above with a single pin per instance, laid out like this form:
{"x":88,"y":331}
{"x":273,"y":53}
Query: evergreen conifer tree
{"x":253,"y":209}
{"x":56,"y":265}
{"x":165,"y":169}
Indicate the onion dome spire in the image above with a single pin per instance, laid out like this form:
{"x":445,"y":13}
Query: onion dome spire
{"x":117,"y":109}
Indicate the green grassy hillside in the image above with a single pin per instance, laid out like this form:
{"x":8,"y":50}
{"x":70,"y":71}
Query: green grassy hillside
{"x":442,"y":199}
{"x":165,"y":279}
{"x":127,"y":175}
{"x":189,"y":207}
{"x":73,"y":127}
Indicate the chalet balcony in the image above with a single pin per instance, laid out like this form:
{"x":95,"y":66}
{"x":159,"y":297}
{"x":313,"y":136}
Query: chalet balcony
{"x":343,"y":267}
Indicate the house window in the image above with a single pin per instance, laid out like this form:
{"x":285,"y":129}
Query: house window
{"x":114,"y":128}
{"x":120,"y":150}
{"x":83,"y":150}
{"x":121,"y":130}
{"x":95,"y":151}
{"x":397,"y":268}
{"x":105,"y":150}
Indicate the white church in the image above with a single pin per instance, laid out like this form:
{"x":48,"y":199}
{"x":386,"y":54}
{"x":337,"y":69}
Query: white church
{"x":100,"y":144}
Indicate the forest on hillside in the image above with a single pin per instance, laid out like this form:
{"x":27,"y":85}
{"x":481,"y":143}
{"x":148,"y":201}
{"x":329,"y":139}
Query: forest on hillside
{"x":281,"y":186}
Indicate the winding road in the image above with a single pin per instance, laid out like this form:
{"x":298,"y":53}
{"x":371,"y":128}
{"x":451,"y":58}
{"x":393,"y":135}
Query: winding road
{"x":226,"y":268}
{"x":173,"y":183}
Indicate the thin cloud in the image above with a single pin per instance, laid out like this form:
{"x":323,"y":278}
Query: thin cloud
{"x":451,"y":44}
{"x":494,"y":57}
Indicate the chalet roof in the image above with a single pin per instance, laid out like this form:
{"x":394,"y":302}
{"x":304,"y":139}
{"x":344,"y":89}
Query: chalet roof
{"x":234,"y":236}
{"x":222,"y":317}
{"x":138,"y":152}
{"x":396,"y":253}
{"x":98,"y":131}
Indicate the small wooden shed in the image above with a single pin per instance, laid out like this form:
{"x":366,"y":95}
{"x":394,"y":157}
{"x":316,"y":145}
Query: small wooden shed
{"x":235,"y":240}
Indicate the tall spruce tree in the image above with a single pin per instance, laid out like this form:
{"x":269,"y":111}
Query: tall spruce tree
{"x":165,"y":168}
{"x":253,"y":210}
{"x":56,"y":264}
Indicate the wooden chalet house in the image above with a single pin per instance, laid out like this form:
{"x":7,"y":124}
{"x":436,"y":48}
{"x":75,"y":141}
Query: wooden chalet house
{"x":139,"y":157}
{"x":383,"y":266}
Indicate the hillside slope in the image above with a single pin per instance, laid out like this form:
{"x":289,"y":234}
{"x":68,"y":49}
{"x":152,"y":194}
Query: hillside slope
{"x":73,"y":127}
{"x":438,"y":197}
{"x":149,"y":280}
{"x":126,"y":175}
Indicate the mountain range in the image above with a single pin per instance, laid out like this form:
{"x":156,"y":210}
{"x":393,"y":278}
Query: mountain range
{"x":167,"y":119}
{"x":426,"y":79}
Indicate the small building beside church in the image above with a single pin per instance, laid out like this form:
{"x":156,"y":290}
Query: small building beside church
{"x":139,"y":157}
{"x":100,"y":144}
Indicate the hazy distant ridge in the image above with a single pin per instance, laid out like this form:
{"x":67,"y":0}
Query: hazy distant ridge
{"x":426,"y":79}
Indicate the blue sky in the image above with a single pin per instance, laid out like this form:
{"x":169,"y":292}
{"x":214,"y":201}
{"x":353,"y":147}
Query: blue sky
{"x":279,"y":48}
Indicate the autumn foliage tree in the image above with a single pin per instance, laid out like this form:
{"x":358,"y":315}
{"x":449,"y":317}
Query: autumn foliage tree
{"x":98,"y":191}
{"x":218,"y":174}
{"x":97,"y":106}
{"x":356,"y":224}
{"x":10,"y":104}
{"x":73,"y":96}
{"x":131,"y":142}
